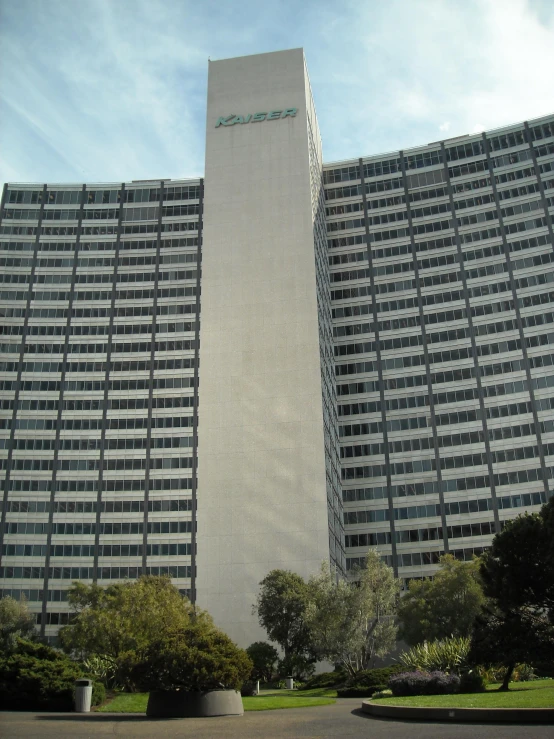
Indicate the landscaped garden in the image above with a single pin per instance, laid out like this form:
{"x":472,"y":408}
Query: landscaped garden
{"x":534,"y":694}
{"x":480,"y":633}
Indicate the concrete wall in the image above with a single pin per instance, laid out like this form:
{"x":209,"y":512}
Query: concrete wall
{"x":261,"y":494}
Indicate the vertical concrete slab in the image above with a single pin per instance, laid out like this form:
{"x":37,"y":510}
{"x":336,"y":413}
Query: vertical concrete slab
{"x":262,"y":501}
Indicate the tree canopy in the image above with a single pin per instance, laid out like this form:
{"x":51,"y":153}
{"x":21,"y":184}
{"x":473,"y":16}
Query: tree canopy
{"x":444,"y":606}
{"x":124,"y":617}
{"x":518,"y":578}
{"x":264,"y":658}
{"x":281,"y":606}
{"x":198,"y":657}
{"x":15,"y":622}
{"x":352,"y":622}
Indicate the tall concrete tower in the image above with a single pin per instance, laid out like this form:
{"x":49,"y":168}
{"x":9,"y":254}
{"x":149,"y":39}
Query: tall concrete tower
{"x":268,"y":465}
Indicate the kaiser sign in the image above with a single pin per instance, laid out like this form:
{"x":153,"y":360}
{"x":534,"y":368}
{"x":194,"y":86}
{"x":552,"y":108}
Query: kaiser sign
{"x":273,"y":115}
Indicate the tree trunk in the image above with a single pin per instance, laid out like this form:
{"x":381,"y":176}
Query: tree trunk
{"x":505,"y":683}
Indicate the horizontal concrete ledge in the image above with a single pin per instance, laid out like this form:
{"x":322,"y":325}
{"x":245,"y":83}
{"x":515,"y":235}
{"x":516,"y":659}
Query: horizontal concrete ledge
{"x":462,"y":715}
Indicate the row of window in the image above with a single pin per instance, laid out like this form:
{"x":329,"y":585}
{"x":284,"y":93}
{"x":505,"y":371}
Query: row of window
{"x":91,"y":277}
{"x":140,"y":442}
{"x":58,"y":596}
{"x":106,"y":529}
{"x":89,"y":424}
{"x":161,"y":383}
{"x":87,"y":295}
{"x":97,"y":404}
{"x":407,"y":536}
{"x":85,"y":246}
{"x":154,"y":463}
{"x":88,"y":573}
{"x":88,"y":263}
{"x":432,"y":158}
{"x":113,"y":366}
{"x":91,"y":506}
{"x":81,"y":485}
{"x":104,"y":230}
{"x":89,"y":550}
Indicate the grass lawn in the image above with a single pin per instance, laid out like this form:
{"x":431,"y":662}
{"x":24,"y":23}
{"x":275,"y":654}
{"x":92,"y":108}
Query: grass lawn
{"x":268,"y":700}
{"x":534,"y":694}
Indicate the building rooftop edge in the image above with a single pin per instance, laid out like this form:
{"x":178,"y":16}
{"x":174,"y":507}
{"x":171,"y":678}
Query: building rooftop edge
{"x":326,"y":165}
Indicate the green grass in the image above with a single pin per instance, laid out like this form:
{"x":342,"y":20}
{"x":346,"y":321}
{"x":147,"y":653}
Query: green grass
{"x":268,"y":700}
{"x":535,"y":694}
{"x":126,"y":703}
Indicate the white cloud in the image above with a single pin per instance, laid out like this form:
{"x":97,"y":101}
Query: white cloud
{"x":116,"y":90}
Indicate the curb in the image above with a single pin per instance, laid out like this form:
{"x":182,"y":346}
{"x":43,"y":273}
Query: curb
{"x":462,"y":715}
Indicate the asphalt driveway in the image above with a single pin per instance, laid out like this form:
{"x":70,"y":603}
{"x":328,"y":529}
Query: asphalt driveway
{"x":343,"y":720}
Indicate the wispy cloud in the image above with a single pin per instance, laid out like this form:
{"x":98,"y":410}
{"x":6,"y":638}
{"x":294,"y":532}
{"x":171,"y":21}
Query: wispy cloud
{"x":116,"y":90}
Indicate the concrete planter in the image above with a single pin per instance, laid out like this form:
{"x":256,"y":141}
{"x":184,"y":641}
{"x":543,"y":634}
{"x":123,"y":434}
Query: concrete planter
{"x":184,"y":704}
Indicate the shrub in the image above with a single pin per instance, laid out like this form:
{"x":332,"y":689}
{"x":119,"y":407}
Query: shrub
{"x":355,"y":691}
{"x":199,"y":657}
{"x":102,"y":669}
{"x":324,"y":680}
{"x":523,"y":673}
{"x":448,"y":655}
{"x":248,"y":689}
{"x":382,"y":694}
{"x":544,"y":669}
{"x":378,"y":678}
{"x":424,"y":683}
{"x":98,"y":694}
{"x":37,"y":678}
{"x":472,"y":682}
{"x":264,"y":658}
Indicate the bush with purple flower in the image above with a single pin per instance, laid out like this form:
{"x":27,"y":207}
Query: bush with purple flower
{"x":424,"y":683}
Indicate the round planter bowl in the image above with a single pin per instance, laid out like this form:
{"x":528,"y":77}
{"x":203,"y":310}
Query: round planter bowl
{"x":184,"y":704}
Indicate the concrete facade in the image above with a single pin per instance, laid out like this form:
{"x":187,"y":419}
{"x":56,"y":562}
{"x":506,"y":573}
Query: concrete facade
{"x":262,"y":491}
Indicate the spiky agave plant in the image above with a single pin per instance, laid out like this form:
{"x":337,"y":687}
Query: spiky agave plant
{"x":446,"y":655}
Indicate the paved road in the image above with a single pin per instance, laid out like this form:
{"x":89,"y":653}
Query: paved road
{"x":340,"y":721}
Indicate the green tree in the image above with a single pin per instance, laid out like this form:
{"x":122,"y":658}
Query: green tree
{"x":444,"y":606}
{"x":15,"y":622}
{"x":198,"y":657}
{"x":351,"y":623}
{"x":281,"y":606}
{"x":518,"y":578}
{"x":264,"y":658}
{"x":120,"y":621}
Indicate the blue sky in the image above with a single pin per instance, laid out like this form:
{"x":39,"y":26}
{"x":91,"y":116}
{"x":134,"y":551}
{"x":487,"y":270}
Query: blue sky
{"x":113,"y":90}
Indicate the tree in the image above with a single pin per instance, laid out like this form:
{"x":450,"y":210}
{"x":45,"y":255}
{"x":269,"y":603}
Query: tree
{"x":120,"y":621}
{"x":444,"y":606}
{"x":15,"y":622}
{"x":197,"y":658}
{"x":518,"y":578}
{"x":352,"y":622}
{"x":510,"y":638}
{"x":264,"y":658}
{"x":281,"y":606}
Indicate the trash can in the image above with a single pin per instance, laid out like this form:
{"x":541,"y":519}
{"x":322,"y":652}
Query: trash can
{"x":83,"y":696}
{"x":289,"y":682}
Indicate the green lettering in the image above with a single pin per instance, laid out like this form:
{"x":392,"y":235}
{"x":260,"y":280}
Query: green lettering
{"x":258,"y":117}
{"x":224,"y":121}
{"x":273,"y":115}
{"x":289,"y":112}
{"x":247,"y":118}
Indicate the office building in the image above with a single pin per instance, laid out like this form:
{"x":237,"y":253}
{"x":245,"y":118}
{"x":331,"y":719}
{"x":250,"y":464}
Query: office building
{"x":280,"y":363}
